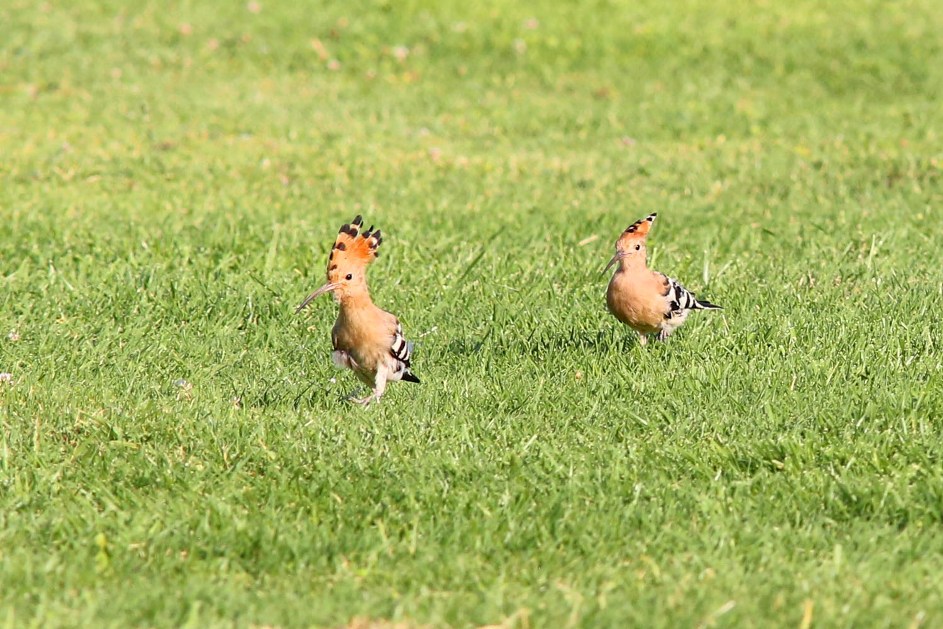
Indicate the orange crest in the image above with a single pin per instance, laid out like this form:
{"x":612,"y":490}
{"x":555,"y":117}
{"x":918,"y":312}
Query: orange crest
{"x":354,"y":247}
{"x":636,"y":232}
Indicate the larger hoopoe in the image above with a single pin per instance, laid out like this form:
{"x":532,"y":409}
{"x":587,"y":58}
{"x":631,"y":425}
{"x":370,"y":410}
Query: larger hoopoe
{"x":367,"y":340}
{"x":647,"y":301}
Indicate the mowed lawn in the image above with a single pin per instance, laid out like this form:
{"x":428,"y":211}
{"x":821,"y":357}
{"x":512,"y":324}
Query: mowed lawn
{"x":176,"y":448}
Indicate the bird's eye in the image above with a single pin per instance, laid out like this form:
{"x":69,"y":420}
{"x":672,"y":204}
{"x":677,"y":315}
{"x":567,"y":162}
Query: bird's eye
{"x":637,"y":247}
{"x":350,"y":276}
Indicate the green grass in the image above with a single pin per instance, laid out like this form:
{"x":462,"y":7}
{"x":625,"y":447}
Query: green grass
{"x":172,"y":179}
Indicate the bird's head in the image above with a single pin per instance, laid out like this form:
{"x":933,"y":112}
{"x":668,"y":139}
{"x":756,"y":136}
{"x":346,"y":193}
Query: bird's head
{"x":630,"y":247}
{"x":353,"y":250}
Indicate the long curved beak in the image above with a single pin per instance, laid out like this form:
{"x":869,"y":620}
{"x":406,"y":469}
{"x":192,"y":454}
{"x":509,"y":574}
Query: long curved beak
{"x":615,"y":258}
{"x":324,"y":289}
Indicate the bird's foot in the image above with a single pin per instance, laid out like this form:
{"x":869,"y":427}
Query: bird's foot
{"x":363,"y":401}
{"x":366,"y":400}
{"x":663,"y":335}
{"x":642,"y":339}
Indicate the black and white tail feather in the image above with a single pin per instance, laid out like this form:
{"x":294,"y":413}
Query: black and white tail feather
{"x":402,"y":351}
{"x":682,"y":300}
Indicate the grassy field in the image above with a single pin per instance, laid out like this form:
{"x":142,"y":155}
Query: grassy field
{"x":176,"y":449}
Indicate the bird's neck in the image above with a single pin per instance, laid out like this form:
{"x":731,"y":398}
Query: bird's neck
{"x":355,"y":299}
{"x":632,"y":264}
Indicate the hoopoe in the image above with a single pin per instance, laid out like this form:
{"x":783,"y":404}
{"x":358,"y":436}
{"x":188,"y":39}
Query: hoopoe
{"x":367,"y":340}
{"x":647,"y":301}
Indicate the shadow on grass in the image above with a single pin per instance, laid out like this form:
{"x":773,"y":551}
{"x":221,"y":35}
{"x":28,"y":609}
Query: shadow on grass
{"x":585,"y":341}
{"x":311,"y":394}
{"x":582,"y":341}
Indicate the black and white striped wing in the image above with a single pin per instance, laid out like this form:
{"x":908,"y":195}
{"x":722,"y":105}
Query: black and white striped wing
{"x":402,"y":351}
{"x":680,"y":299}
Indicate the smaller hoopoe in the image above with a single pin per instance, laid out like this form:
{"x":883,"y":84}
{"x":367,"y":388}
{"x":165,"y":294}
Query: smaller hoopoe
{"x":367,"y":340}
{"x":647,"y":301}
